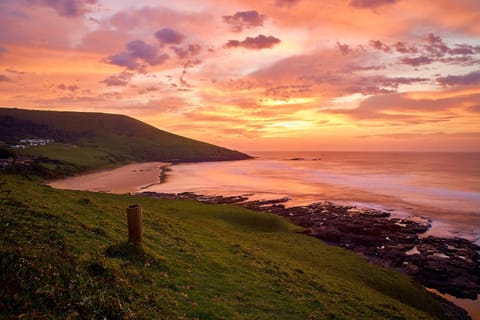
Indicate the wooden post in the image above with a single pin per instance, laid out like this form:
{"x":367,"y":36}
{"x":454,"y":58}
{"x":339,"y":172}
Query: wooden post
{"x":135,"y":227}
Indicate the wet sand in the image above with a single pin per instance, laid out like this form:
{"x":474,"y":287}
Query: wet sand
{"x":126,"y":179}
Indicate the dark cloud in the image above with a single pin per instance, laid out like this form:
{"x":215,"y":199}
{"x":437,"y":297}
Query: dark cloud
{"x":370,"y":3}
{"x":344,"y":48}
{"x":141,"y":50}
{"x":169,"y":36}
{"x":121,"y":79}
{"x":188,"y":51}
{"x":416,"y":61}
{"x":435,"y":46}
{"x":66,"y":8}
{"x":2,"y":50}
{"x":472,"y":78}
{"x":64,"y":87}
{"x":255,"y":43}
{"x":403,"y":47}
{"x":138,"y":52}
{"x":4,"y":78}
{"x":431,"y":49}
{"x":244,"y":20}
{"x":464,"y":49}
{"x":124,"y":59}
{"x":286,"y":3}
{"x":379,"y":45}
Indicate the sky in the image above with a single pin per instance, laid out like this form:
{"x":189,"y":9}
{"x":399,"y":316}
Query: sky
{"x":363,"y":75}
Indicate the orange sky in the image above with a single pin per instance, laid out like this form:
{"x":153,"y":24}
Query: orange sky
{"x":256,"y":75}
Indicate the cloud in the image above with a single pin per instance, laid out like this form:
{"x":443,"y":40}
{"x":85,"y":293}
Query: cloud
{"x":65,"y":87}
{"x":66,"y":8}
{"x":244,"y":20}
{"x":188,"y":51}
{"x":344,"y":48}
{"x":2,"y":50}
{"x":403,"y":47}
{"x":141,"y":50}
{"x":4,"y":78}
{"x":288,"y":91}
{"x":402,"y":108}
{"x":416,"y":61}
{"x":124,"y":59}
{"x":169,"y":36}
{"x":121,"y":79}
{"x":137,"y":52}
{"x":472,"y":78}
{"x":435,"y":46}
{"x":370,"y":3}
{"x":464,"y":49}
{"x":255,"y":43}
{"x":286,"y":3}
{"x":379,"y":45}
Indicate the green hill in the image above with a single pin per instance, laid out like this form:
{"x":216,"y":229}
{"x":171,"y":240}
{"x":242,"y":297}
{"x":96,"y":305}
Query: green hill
{"x":94,"y":140}
{"x":63,"y":255}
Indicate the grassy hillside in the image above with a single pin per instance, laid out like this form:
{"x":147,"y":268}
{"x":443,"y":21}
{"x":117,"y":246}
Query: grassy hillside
{"x":113,"y":138}
{"x":63,"y":255}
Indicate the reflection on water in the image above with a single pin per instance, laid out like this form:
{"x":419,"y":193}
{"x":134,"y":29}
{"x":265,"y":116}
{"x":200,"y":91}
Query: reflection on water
{"x":444,"y":186}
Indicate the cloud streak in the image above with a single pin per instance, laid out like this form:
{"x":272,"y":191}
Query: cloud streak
{"x":254,"y":43}
{"x":66,"y":8}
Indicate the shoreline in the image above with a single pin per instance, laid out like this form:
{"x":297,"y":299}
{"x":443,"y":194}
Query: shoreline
{"x":128,"y":178}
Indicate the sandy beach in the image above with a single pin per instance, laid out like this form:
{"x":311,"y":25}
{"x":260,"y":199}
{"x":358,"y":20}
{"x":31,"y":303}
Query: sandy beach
{"x":125,"y":179}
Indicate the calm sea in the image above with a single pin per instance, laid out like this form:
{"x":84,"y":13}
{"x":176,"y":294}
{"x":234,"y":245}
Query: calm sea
{"x":443,"y":186}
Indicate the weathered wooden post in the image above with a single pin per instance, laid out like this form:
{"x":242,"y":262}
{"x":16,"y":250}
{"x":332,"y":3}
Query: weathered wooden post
{"x":134,"y":220}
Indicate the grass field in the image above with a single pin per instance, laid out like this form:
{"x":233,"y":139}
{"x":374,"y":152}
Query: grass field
{"x":64,"y":255}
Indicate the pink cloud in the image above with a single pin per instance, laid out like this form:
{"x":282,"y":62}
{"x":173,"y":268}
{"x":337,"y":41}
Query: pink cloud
{"x":370,"y":3}
{"x":379,"y":45}
{"x":169,"y":36}
{"x":138,"y":52}
{"x":121,"y":79}
{"x":244,"y":20}
{"x":286,"y":3}
{"x":255,"y":43}
{"x":66,"y":8}
{"x":190,"y":50}
{"x":472,"y":78}
{"x":64,"y":87}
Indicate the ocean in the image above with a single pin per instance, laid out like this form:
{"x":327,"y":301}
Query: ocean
{"x":442,"y":186}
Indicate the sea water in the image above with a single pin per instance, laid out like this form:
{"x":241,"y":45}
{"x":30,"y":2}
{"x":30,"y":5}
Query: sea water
{"x":442,"y":186}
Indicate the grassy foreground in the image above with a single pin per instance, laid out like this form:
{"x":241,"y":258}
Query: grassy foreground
{"x":63,"y":255}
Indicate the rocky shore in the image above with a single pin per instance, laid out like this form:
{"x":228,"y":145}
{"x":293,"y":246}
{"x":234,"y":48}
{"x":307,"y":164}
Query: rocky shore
{"x":450,"y":266}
